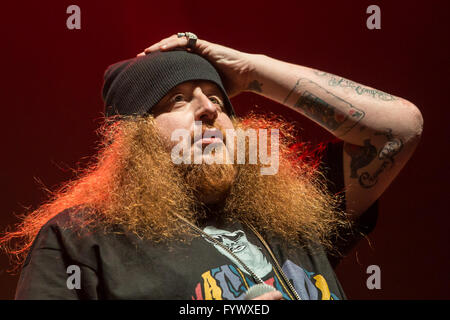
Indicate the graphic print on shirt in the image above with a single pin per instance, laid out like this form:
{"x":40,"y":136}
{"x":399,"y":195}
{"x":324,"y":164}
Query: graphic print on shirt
{"x":237,"y":243}
{"x":231,"y":283}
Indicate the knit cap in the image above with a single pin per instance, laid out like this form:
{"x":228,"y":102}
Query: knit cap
{"x":135,"y":86}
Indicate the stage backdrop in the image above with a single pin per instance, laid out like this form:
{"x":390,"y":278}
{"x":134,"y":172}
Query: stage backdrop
{"x":51,"y":78}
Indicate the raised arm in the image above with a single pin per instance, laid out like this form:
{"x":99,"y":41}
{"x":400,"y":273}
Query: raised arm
{"x":380,"y":131}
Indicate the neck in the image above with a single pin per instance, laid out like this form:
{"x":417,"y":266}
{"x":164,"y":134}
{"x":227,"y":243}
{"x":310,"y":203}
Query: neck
{"x":212,"y":211}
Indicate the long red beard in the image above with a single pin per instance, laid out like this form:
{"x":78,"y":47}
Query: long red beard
{"x":134,"y":184}
{"x":211,"y":182}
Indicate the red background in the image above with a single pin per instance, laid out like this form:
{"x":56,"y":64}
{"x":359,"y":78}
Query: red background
{"x":51,"y":78}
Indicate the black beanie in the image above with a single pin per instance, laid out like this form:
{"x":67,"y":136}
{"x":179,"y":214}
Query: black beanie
{"x":134,"y":86}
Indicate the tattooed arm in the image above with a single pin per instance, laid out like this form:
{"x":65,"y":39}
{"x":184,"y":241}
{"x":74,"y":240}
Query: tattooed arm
{"x":380,"y":131}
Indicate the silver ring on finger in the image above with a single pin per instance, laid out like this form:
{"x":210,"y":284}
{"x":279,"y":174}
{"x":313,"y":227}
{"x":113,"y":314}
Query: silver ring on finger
{"x":191,"y":37}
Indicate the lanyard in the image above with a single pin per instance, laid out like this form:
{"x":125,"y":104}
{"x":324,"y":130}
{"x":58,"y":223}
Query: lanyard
{"x":281,"y":275}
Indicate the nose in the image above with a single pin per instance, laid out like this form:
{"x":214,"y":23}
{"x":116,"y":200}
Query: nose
{"x":205,"y":111}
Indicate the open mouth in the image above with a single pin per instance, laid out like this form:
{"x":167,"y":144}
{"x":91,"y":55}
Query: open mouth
{"x":207,"y":141}
{"x":209,"y":136}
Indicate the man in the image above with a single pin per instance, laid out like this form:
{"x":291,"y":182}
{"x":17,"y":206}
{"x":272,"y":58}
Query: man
{"x":140,"y":224}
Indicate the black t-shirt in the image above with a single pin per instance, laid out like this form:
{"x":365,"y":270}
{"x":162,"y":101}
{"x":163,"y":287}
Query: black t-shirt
{"x":63,"y":265}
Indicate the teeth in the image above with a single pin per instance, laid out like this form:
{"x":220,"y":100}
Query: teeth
{"x":212,"y":133}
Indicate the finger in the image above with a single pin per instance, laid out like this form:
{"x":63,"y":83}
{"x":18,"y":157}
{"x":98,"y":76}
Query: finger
{"x":273,"y":295}
{"x":168,"y":44}
{"x":153,"y":47}
{"x":160,"y":44}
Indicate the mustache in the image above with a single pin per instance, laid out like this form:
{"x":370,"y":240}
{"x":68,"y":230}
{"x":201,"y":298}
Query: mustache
{"x":215,"y":130}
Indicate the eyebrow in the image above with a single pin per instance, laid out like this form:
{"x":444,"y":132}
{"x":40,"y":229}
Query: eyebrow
{"x":214,"y":89}
{"x":208,"y":86}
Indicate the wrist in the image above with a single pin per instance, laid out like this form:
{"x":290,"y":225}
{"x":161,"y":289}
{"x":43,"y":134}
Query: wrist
{"x":253,"y":79}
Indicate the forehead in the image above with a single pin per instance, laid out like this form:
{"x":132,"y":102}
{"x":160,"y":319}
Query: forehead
{"x":191,"y":85}
{"x":187,"y":87}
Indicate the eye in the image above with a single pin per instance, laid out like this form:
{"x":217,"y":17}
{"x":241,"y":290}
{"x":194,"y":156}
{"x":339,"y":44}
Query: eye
{"x":216,"y":100}
{"x":178,"y":98}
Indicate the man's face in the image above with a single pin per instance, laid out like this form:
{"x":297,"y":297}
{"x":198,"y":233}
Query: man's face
{"x":189,"y":102}
{"x":179,"y":110}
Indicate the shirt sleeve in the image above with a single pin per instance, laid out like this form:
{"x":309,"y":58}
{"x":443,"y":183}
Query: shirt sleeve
{"x":332,"y":168}
{"x":50,"y":273}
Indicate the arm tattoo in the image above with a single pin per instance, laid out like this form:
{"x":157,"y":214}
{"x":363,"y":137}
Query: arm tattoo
{"x":255,"y":86}
{"x":335,"y":81}
{"x":326,"y":108}
{"x":290,"y":92}
{"x":362,"y":156}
